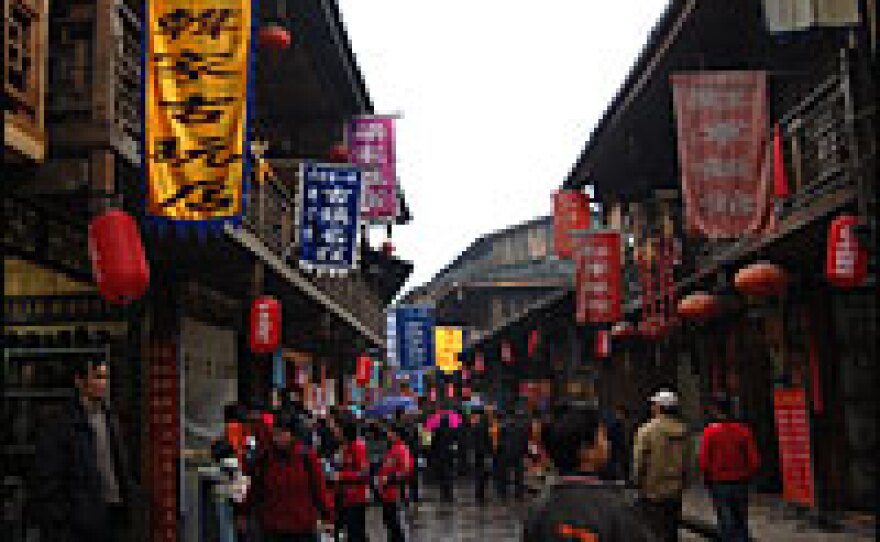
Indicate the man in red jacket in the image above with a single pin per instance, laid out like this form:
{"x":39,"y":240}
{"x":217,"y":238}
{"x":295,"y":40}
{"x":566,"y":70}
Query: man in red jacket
{"x":393,"y":476}
{"x":353,"y":483}
{"x":289,"y":490}
{"x":728,"y":460}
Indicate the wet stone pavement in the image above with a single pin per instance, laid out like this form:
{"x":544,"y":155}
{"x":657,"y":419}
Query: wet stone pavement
{"x":461,"y":521}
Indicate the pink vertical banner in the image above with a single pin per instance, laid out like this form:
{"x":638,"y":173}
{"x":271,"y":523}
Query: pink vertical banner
{"x":370,"y":142}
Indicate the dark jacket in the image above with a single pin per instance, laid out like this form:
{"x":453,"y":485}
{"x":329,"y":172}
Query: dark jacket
{"x":481,"y":440}
{"x":584,"y":508}
{"x":514,"y":439}
{"x":66,"y":499}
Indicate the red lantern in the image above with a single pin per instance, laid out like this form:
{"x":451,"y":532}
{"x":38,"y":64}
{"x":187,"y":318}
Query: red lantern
{"x":466,"y":392}
{"x":761,"y":279}
{"x":698,"y":306}
{"x":450,"y":390}
{"x":479,"y":363}
{"x":432,"y":394}
{"x":265,"y":333}
{"x":274,"y":36}
{"x":338,"y":153}
{"x":533,"y":342}
{"x":846,"y":260}
{"x":506,"y":353}
{"x":603,"y":343}
{"x":364,"y":370}
{"x":118,"y":260}
{"x":622,"y":330}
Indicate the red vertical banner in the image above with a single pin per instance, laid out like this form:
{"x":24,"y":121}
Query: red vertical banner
{"x":571,"y":211}
{"x":164,"y":440}
{"x":598,"y":275}
{"x":795,"y":457}
{"x":722,"y":138}
{"x":603,"y":343}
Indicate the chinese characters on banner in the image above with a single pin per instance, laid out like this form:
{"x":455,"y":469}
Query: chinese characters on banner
{"x":371,"y":146}
{"x":415,"y":337}
{"x":330,"y":197}
{"x":197,"y":68}
{"x":164,"y":439}
{"x":722,"y":135}
{"x":793,"y":432}
{"x":571,"y":211}
{"x":449,"y":342}
{"x":598,"y":276}
{"x":391,"y":338}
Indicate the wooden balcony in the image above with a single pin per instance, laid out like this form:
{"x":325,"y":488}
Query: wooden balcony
{"x":25,"y":24}
{"x":269,"y":220}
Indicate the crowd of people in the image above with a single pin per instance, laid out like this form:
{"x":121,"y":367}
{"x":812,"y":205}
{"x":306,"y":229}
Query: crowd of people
{"x":286,"y":474}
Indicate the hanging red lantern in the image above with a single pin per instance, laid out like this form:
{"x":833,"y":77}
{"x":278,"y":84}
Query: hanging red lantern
{"x":450,"y":390}
{"x":265,"y":330}
{"x":119,"y":263}
{"x":274,"y":36}
{"x":533,"y":342}
{"x":698,"y":306}
{"x":432,"y":394}
{"x":479,"y":363}
{"x":761,"y":279}
{"x":603,"y":343}
{"x":506,"y":353}
{"x":622,"y":330}
{"x":338,"y":153}
{"x":846,"y":260}
{"x":364,"y":370}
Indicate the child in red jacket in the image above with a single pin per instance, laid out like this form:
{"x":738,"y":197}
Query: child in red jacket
{"x":289,"y":490}
{"x":394,"y":473}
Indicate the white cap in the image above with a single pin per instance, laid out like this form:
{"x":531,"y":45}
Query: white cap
{"x":665,"y":398}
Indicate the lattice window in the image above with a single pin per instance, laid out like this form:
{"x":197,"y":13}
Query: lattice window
{"x":128,"y":72}
{"x":71,"y":67}
{"x":21,"y":56}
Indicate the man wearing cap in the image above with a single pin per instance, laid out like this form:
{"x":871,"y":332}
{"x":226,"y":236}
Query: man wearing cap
{"x":661,"y":461}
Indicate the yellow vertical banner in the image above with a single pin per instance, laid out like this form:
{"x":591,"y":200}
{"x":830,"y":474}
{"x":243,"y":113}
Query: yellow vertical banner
{"x":197,"y":58}
{"x":448,"y":344}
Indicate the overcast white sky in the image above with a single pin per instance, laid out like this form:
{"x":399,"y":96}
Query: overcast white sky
{"x":498,"y":98}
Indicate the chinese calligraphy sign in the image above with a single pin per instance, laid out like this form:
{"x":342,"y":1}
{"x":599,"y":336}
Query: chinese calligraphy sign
{"x":415,"y":333}
{"x":571,"y":211}
{"x":722,"y":134}
{"x":598,"y":275}
{"x":449,"y":342}
{"x":330,"y":197}
{"x":197,"y":68}
{"x":371,"y":146}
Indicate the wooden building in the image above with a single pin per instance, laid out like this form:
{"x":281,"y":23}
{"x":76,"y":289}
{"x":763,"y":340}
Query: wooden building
{"x":72,"y":104}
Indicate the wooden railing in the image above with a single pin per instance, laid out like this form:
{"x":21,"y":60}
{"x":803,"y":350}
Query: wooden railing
{"x":269,"y":214}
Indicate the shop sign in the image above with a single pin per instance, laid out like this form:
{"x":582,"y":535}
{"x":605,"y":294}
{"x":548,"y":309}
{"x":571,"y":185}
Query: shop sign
{"x":449,"y":341}
{"x":371,"y":146}
{"x":197,"y":69}
{"x":571,"y":211}
{"x":329,"y":219}
{"x":598,"y":275}
{"x":722,"y":139}
{"x":415,"y":336}
{"x":846,"y":263}
{"x":164,"y":440}
{"x":793,"y":432}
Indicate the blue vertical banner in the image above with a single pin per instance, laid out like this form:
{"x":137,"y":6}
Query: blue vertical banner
{"x":278,"y":377}
{"x":329,"y":217}
{"x":415,"y":336}
{"x":391,"y":338}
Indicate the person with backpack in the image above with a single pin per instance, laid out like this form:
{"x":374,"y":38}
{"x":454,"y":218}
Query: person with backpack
{"x":289,"y":491}
{"x":352,"y":480}
{"x":728,"y":461}
{"x":661,"y":460}
{"x":392,"y":478}
{"x":579,"y":505}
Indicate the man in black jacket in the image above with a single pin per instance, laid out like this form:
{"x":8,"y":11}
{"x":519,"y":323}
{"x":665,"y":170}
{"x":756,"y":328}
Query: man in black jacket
{"x":82,"y":487}
{"x":514,"y":447}
{"x":481,"y":441}
{"x":580,"y":506}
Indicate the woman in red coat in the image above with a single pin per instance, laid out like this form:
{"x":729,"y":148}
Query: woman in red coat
{"x":289,"y":490}
{"x":394,"y":473}
{"x":353,"y":483}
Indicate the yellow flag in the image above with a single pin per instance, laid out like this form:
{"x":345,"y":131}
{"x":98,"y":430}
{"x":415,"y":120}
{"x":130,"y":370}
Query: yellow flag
{"x":196,"y":66}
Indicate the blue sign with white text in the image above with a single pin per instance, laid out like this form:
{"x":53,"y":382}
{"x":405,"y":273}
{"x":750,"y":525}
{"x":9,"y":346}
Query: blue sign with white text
{"x":415,"y":336}
{"x":329,"y":216}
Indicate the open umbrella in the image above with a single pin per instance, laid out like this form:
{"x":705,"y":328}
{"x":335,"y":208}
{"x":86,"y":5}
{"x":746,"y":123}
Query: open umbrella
{"x":433,"y":421}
